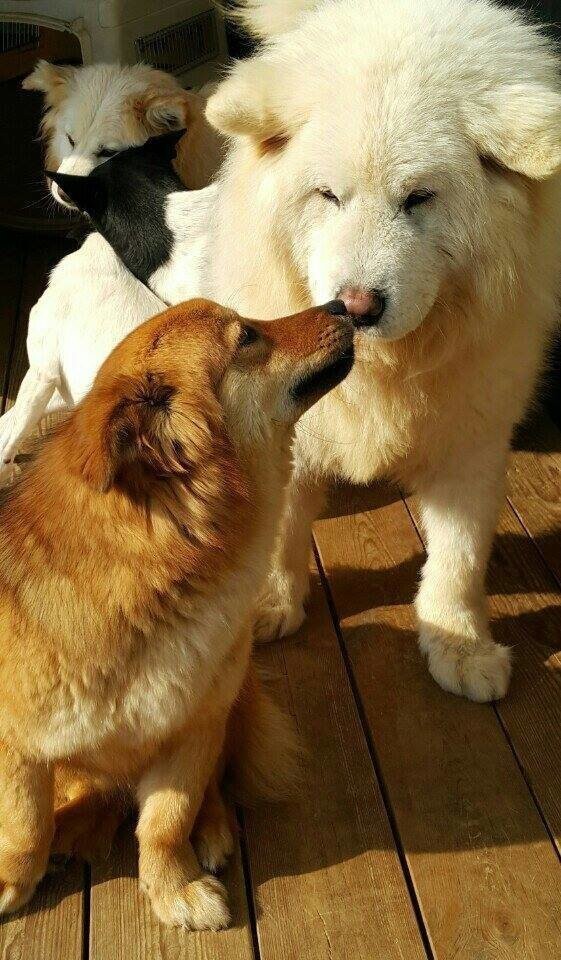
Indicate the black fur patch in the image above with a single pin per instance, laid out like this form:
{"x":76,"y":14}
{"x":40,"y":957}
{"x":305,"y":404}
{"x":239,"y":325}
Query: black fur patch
{"x":125,"y":199}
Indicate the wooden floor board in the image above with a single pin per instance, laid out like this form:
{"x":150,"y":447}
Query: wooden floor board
{"x":123,"y":926}
{"x":482,"y":863}
{"x":535,"y":488}
{"x":328,"y":882}
{"x":525,"y":608}
{"x":525,"y":600}
{"x":51,"y":927}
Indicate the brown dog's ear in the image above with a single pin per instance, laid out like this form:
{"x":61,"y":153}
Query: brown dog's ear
{"x":131,"y":425}
{"x":50,"y":79}
{"x":160,"y":112}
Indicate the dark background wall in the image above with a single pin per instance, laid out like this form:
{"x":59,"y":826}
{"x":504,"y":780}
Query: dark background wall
{"x":549,"y":13}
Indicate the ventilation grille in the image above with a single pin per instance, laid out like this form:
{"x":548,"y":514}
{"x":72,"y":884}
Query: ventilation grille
{"x":18,"y":36}
{"x":181,"y":46}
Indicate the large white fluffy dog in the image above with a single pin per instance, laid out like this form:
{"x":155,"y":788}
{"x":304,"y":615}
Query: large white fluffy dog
{"x":402,"y":155}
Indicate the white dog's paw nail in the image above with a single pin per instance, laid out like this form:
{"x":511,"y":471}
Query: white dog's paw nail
{"x":482,"y":674}
{"x":199,"y":905}
{"x":276,"y":618}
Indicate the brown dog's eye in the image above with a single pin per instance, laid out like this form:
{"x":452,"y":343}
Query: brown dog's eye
{"x":247,"y":336}
{"x":416,"y":198}
{"x":329,"y":195}
{"x":70,"y":140}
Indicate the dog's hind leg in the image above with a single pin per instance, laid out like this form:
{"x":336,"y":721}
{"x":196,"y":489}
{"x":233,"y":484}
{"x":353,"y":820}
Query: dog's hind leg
{"x":26,"y":826}
{"x":213,"y":833}
{"x":31,"y":404}
{"x":86,"y":825}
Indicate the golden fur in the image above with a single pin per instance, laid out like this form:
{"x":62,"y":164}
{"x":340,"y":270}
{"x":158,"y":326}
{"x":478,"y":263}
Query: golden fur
{"x":130,"y":555}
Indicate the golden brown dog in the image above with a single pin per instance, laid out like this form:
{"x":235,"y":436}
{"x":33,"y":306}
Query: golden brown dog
{"x":130,"y":555}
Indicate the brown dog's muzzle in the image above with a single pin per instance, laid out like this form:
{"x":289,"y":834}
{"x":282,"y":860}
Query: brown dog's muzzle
{"x":332,"y":359}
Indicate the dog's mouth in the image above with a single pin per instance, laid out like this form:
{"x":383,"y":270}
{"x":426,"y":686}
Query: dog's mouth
{"x":59,"y":194}
{"x":321,"y":380}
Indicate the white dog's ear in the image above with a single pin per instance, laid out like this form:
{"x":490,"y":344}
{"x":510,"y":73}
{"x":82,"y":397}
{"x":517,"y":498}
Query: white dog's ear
{"x":519,"y":126}
{"x":50,"y":79}
{"x":246,"y":105}
{"x":160,"y":112}
{"x":268,"y":18}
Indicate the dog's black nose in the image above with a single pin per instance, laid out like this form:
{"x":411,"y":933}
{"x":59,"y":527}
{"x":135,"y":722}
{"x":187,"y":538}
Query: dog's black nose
{"x":336,"y":308}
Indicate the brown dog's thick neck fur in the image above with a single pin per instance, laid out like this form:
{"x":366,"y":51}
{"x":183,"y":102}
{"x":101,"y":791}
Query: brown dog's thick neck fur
{"x":131,"y":554}
{"x":165,"y":509}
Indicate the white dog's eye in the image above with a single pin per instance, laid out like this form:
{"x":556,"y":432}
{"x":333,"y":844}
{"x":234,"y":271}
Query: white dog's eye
{"x":70,"y":140}
{"x":329,"y":195}
{"x":416,"y":198}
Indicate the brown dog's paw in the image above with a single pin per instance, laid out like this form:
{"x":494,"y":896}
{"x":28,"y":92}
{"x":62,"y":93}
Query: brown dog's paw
{"x":199,"y":905}
{"x":86,"y":827}
{"x":13,"y":896}
{"x":277,"y":617}
{"x":213,"y":843}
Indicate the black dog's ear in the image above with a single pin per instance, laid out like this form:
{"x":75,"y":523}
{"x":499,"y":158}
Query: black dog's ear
{"x":88,"y":193}
{"x":162,"y":149}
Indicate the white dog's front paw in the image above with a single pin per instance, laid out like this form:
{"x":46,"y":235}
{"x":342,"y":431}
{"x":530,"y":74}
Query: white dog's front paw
{"x":277,"y":615}
{"x":480,"y":671}
{"x":8,"y":473}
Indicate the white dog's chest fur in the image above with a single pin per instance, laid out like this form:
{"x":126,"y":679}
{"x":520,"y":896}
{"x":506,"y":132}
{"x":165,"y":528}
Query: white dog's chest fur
{"x":336,"y":437}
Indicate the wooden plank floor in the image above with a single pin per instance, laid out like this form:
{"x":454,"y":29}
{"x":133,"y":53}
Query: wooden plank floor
{"x":427,"y":827}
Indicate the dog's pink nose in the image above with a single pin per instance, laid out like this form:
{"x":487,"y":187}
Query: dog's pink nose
{"x":367,"y":305}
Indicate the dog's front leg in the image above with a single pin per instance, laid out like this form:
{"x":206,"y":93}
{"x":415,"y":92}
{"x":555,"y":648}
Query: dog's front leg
{"x":280,"y":610}
{"x":26,"y":826}
{"x":170,"y":796}
{"x":460,"y":505}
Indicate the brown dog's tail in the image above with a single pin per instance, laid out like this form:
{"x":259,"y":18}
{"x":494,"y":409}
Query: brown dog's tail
{"x":263,"y":750}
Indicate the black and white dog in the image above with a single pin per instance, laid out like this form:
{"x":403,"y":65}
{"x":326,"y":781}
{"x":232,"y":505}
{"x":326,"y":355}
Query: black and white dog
{"x":148,"y":250}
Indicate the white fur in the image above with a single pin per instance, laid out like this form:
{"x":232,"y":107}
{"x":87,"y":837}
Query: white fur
{"x":266,"y":18}
{"x":374,"y":99}
{"x":110,"y":106}
{"x":91,"y":303}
